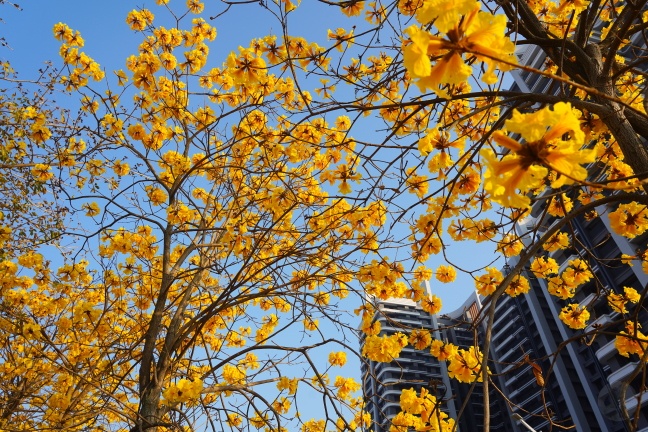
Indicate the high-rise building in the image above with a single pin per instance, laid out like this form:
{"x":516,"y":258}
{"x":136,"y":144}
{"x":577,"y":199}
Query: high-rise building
{"x":383,"y":382}
{"x":585,"y":375}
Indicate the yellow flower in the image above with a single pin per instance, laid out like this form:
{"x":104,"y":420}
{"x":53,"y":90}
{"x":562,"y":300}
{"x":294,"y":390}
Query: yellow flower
{"x":561,"y":288}
{"x":465,"y":366}
{"x":558,"y":206}
{"x":519,"y":285}
{"x":618,"y":302}
{"x":92,"y":209}
{"x":342,"y":37}
{"x":444,"y":13}
{"x":234,"y":420}
{"x":415,"y":55}
{"x":31,"y":331}
{"x":310,"y":324}
{"x":446,"y":274}
{"x":42,"y":172}
{"x":442,"y":350}
{"x":337,"y":358}
{"x":486,"y":284}
{"x":510,"y":245}
{"x":182,"y":391}
{"x":629,"y":220}
{"x":544,"y":267}
{"x":420,"y":339}
{"x":195,"y":6}
{"x":431,"y":304}
{"x":345,"y":386}
{"x":553,"y":141}
{"x":137,"y":132}
{"x":382,"y":349}
{"x":556,"y":242}
{"x":478,"y":33}
{"x":574,"y":316}
{"x":578,"y":272}
{"x":62,"y":32}
{"x":631,"y":294}
{"x":289,"y":384}
{"x":136,"y":20}
{"x":233,"y":374}
{"x":353,"y":8}
{"x":632,"y":341}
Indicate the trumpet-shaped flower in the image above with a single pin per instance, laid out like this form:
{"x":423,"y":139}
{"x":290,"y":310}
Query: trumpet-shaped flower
{"x":574,"y":316}
{"x":553,"y":140}
{"x":468,"y":30}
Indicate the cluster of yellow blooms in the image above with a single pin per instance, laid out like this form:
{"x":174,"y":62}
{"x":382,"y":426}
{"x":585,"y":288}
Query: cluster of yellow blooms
{"x":632,"y":341}
{"x":420,"y":412}
{"x":526,"y":166}
{"x":82,"y":66}
{"x":630,"y":220}
{"x":384,"y":348}
{"x":337,"y":358}
{"x":423,"y":412}
{"x":183,"y":391}
{"x":467,"y":30}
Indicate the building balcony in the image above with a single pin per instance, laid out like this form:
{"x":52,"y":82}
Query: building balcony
{"x":503,"y":316}
{"x":601,"y":321}
{"x":510,"y":337}
{"x":515,"y":363}
{"x":503,"y":331}
{"x":525,"y":370}
{"x":622,"y":373}
{"x":607,"y":351}
{"x":520,"y":389}
{"x":632,"y":402}
{"x":587,"y":300}
{"x":513,"y":350}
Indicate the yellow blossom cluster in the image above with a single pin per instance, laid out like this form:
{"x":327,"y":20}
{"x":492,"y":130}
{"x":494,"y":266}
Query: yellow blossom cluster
{"x":630,"y":220}
{"x":420,"y":411}
{"x":81,"y":65}
{"x":464,"y":365}
{"x":183,"y":391}
{"x":337,"y":358}
{"x":384,"y":348}
{"x":553,"y":141}
{"x":564,"y":286}
{"x":466,"y":30}
{"x":487,"y":283}
{"x":631,"y":341}
{"x":345,"y":387}
{"x":233,"y":374}
{"x":618,"y":302}
{"x":574,"y":316}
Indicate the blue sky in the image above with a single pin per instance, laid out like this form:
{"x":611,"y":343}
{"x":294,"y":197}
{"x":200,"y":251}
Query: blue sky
{"x":109,"y":40}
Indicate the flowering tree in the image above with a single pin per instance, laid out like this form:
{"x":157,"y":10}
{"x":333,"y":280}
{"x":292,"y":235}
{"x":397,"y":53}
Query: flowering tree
{"x":220,"y":219}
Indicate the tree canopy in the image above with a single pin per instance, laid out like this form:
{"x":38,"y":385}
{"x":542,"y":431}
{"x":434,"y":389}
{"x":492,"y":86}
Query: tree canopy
{"x":193,"y":243}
